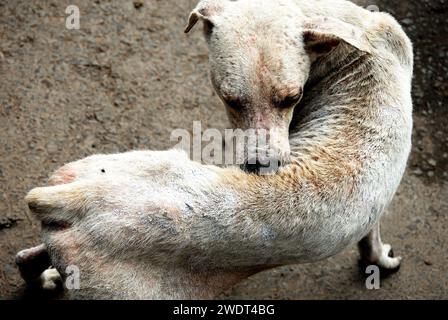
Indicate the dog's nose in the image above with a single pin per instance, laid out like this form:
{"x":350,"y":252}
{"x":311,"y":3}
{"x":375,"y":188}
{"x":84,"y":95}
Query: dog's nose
{"x":261,"y":166}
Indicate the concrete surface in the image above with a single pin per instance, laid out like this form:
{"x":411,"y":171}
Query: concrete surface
{"x":129,"y":76}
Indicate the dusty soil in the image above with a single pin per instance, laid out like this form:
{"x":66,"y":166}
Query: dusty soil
{"x":129,"y":76}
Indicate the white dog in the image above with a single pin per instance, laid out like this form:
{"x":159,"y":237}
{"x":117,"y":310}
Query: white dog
{"x":157,"y":225}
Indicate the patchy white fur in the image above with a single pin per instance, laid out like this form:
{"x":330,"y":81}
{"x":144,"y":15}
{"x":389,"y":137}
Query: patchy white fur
{"x":157,"y":225}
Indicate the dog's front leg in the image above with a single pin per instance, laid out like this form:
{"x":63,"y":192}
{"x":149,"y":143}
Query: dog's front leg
{"x":374,"y":252}
{"x":34,"y":266}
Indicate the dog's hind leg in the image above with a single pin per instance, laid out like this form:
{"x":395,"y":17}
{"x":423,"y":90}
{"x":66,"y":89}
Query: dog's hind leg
{"x":34,"y":266}
{"x":374,"y":252}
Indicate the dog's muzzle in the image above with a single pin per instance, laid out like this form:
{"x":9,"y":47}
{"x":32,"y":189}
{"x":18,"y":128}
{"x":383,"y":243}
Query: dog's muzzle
{"x":262,"y":166}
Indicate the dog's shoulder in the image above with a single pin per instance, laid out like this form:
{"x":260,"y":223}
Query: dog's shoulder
{"x":392,"y":38}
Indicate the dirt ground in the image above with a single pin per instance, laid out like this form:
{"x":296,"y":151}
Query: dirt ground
{"x":129,"y":76}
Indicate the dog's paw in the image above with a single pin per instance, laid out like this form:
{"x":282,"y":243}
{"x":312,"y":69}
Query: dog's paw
{"x":49,"y":279}
{"x":384,"y":259}
{"x":387,"y":259}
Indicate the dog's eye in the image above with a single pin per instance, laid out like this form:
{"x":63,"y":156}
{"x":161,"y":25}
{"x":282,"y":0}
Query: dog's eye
{"x":290,"y":101}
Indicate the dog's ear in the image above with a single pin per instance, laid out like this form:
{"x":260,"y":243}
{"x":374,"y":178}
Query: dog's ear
{"x":205,"y":10}
{"x":323,"y":34}
{"x":194,"y":17}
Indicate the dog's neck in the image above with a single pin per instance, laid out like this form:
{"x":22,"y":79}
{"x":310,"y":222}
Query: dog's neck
{"x":338,"y":78}
{"x":341,"y":63}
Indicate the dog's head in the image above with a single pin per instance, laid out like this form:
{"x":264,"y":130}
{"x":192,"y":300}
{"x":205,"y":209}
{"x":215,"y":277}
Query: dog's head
{"x":260,"y":56}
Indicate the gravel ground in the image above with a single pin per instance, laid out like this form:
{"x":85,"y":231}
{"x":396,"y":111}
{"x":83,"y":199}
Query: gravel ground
{"x":129,"y":76}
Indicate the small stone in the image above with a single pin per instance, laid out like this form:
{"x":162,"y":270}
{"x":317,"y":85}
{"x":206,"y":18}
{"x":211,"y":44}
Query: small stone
{"x":430,"y":174}
{"x":8,"y":270}
{"x":418,"y":172}
{"x":407,"y":21}
{"x":432,"y":162}
{"x":52,"y":147}
{"x":138,"y":4}
{"x":428,"y":263}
